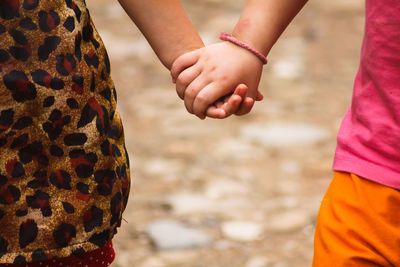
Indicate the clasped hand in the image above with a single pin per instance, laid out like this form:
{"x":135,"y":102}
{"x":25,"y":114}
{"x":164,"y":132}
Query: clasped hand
{"x":218,"y":80}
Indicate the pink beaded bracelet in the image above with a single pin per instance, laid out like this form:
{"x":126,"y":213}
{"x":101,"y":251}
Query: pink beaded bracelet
{"x":228,"y":37}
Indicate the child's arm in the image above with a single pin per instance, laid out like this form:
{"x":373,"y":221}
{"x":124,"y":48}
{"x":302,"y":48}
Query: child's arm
{"x":165,"y":26}
{"x":171,"y":34}
{"x":205,"y":75}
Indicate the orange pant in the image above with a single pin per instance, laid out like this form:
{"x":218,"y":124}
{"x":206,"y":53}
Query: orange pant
{"x":358,"y":224}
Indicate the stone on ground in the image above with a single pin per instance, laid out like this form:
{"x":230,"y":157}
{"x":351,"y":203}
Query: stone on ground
{"x":245,"y":231}
{"x":169,"y":234}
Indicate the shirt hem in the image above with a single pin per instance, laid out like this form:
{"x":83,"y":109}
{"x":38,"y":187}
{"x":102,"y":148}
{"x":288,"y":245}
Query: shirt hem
{"x":366,"y":169}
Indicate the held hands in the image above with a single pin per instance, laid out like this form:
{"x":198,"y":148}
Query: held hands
{"x":218,"y":80}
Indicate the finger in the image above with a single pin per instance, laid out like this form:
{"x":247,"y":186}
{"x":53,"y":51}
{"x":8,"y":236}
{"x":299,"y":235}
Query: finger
{"x":182,"y":62}
{"x":185,"y":78}
{"x":192,"y":92}
{"x":207,"y":96}
{"x":216,"y":113}
{"x":246,"y":106}
{"x":259,"y":96}
{"x":220,"y":102}
{"x":227,"y":107}
{"x":241,"y":90}
{"x":229,"y":104}
{"x":232,"y":105}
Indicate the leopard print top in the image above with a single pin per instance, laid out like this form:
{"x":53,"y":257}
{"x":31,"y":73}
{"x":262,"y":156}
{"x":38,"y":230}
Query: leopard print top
{"x":64,"y":169}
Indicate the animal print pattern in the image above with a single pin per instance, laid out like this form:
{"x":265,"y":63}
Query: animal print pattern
{"x":64,"y":169}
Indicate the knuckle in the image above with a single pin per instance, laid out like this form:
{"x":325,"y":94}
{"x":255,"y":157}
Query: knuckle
{"x":212,"y":68}
{"x":224,"y":81}
{"x":224,"y":78}
{"x":182,"y":80}
{"x":201,"y":99}
{"x":190,"y":93}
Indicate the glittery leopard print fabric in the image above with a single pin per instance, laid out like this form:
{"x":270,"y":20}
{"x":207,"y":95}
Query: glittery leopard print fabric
{"x":64,"y":169}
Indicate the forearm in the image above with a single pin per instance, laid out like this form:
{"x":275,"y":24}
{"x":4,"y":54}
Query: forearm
{"x":263,"y":21}
{"x":166,"y":27}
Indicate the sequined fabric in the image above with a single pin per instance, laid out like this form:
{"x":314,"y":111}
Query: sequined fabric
{"x":64,"y":169}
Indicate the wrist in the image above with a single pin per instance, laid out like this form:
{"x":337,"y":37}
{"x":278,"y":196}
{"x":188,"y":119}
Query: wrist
{"x":228,"y":37}
{"x":252,"y":39}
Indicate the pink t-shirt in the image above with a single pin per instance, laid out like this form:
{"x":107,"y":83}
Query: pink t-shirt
{"x":369,"y":137}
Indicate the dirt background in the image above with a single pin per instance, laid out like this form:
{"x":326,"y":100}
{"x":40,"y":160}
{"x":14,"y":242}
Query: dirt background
{"x":250,"y":186}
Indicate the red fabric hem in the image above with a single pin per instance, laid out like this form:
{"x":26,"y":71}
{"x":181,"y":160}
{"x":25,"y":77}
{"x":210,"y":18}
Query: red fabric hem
{"x":101,"y":257}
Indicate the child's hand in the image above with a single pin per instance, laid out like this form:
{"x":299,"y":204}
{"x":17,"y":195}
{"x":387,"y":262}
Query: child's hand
{"x":205,"y":76}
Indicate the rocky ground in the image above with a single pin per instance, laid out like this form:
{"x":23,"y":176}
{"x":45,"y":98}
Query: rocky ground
{"x":242,"y":192}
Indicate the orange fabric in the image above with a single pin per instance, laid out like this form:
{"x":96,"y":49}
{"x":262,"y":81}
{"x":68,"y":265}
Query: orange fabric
{"x":358,"y":224}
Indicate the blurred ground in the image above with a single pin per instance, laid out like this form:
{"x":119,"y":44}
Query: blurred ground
{"x":243,"y":192}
